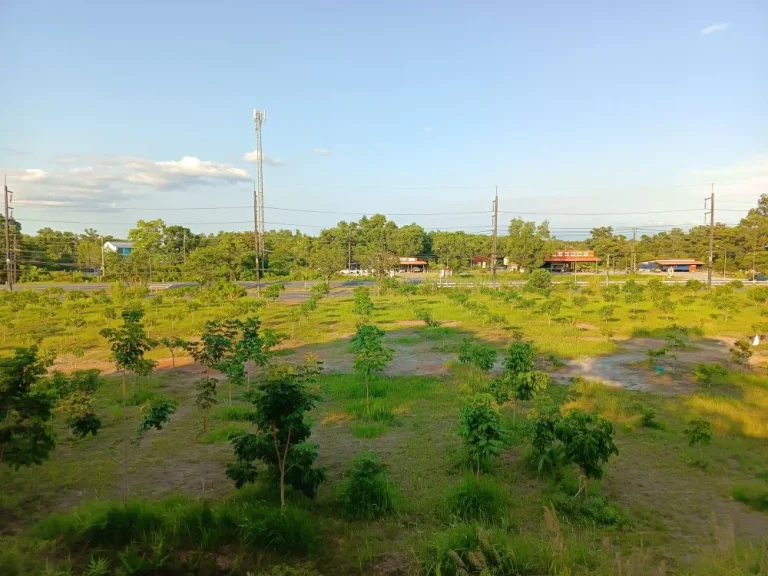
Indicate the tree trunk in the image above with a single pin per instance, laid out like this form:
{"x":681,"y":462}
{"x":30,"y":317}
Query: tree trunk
{"x":282,"y":488}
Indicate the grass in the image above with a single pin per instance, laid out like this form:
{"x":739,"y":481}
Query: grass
{"x":475,"y":499}
{"x":754,"y":495}
{"x":150,"y":510}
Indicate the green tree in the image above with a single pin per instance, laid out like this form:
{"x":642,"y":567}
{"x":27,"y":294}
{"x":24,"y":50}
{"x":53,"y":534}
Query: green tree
{"x":327,"y":259}
{"x":26,"y":436}
{"x":129,"y":343}
{"x":282,"y":402}
{"x":371,"y":356}
{"x":698,"y":432}
{"x":709,"y":374}
{"x":363,"y":305}
{"x":528,"y":244}
{"x":540,"y":279}
{"x":272,"y":292}
{"x":551,"y":307}
{"x":481,"y":430}
{"x":174,"y":343}
{"x":215,"y":351}
{"x":587,"y":441}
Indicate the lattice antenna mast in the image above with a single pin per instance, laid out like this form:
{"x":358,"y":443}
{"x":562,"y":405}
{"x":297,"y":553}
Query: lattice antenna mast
{"x":259,"y":117}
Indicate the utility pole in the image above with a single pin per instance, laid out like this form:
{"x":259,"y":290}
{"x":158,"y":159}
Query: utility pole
{"x":633,"y":262}
{"x":101,"y":238}
{"x":711,"y":213}
{"x":184,"y":247}
{"x":256,"y":236}
{"x":8,"y":273}
{"x":495,"y":235}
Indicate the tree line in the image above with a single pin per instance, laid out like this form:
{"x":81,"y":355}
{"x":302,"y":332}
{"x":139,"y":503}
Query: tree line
{"x":172,"y":252}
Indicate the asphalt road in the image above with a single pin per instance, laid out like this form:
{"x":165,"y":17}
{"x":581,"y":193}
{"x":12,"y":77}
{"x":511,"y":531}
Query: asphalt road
{"x":297,"y":286}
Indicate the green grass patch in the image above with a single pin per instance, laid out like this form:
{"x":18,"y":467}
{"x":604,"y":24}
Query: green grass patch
{"x":222,"y":435}
{"x":232,"y":413}
{"x":753,"y":494}
{"x":368,"y":430}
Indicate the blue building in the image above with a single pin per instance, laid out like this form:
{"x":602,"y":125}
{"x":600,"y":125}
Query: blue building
{"x":119,"y":247}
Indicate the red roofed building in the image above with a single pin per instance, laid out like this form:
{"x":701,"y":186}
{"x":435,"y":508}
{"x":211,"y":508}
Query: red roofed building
{"x":410,"y":264}
{"x":566,"y":260}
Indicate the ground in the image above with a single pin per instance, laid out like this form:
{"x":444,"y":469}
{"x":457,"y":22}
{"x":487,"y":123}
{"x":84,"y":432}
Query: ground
{"x":678,"y":508}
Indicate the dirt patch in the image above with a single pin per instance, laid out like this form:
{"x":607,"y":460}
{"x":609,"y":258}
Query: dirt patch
{"x":417,"y":358}
{"x":629,"y":369}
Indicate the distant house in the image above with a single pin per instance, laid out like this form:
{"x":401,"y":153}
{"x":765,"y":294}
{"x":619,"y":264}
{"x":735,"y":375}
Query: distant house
{"x":567,"y":260}
{"x":119,"y":247}
{"x":679,"y":264}
{"x":410,"y":264}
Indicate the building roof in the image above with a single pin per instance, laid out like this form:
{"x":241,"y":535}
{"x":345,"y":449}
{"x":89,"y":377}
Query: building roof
{"x":411,"y":261}
{"x":572,"y":259}
{"x":679,"y":262}
{"x":120,"y":244}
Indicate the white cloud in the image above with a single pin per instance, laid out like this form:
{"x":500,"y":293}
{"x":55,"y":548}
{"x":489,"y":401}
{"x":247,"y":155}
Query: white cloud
{"x":100,"y":181}
{"x":428,"y":129}
{"x":715,"y":28}
{"x":746,"y":179}
{"x":322,"y":151}
{"x":268,"y":160}
{"x":32,"y":175}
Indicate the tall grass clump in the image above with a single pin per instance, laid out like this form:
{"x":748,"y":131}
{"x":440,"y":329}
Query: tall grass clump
{"x":478,"y":499}
{"x":181,"y":523}
{"x":754,"y":495}
{"x":465,"y":549}
{"x":367,"y":491}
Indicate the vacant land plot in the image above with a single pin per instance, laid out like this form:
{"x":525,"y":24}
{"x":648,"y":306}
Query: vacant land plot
{"x":663,"y":505}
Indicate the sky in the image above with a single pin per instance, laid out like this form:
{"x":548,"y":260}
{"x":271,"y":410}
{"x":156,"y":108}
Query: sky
{"x":586,"y":114}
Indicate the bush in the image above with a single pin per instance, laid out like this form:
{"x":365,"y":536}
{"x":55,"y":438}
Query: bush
{"x":367,"y":492}
{"x":482,"y":356}
{"x":708,"y":374}
{"x":754,"y":495}
{"x":426,"y":317}
{"x":540,"y":279}
{"x":478,"y":500}
{"x":736,"y":284}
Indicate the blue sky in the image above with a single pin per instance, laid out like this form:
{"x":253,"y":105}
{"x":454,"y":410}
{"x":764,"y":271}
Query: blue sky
{"x":399,"y":107}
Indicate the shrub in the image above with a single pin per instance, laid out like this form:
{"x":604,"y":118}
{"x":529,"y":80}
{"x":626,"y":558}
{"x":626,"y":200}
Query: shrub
{"x":741,"y":352}
{"x":708,"y":374}
{"x":367,"y":492}
{"x":754,"y":495}
{"x":482,"y":356}
{"x":648,"y":418}
{"x":540,"y":279}
{"x":426,"y":317}
{"x":476,"y":499}
{"x":738,"y":284}
{"x":577,"y":438}
{"x":481,"y":430}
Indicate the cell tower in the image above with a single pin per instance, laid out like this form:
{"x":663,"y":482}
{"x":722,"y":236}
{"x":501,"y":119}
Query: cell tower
{"x":259,"y":117}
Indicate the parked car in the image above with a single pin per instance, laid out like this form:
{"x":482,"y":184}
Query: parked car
{"x":759,"y":277}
